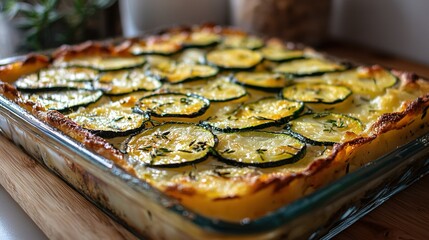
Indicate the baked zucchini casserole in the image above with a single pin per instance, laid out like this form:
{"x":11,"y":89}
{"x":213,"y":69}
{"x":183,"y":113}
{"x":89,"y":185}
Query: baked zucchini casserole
{"x":230,"y":125}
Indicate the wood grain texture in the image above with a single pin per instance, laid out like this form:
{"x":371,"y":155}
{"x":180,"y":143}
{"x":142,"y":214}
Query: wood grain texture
{"x":404,"y":216}
{"x":58,"y":210}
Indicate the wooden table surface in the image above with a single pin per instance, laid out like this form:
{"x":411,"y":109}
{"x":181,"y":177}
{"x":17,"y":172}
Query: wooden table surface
{"x":404,"y":216}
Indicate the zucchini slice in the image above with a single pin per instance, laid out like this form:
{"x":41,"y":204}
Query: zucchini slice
{"x":262,"y":80}
{"x":175,"y":72}
{"x":325,"y":128}
{"x":219,"y":89}
{"x":308,"y":67}
{"x":201,"y":39}
{"x":234,"y":59}
{"x":316,"y":93}
{"x":170,"y":145}
{"x":58,"y":78}
{"x":192,"y":56}
{"x":271,"y":108}
{"x":262,"y":113}
{"x":122,"y":82}
{"x":173,"y":105}
{"x":156,"y":46}
{"x":64,"y":100}
{"x":365,"y":80}
{"x":104,"y":63}
{"x":259,"y":149}
{"x":111,"y":120}
{"x":277,"y":54}
{"x":242,"y":41}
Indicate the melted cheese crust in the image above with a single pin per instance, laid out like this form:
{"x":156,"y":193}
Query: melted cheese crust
{"x":392,"y":112}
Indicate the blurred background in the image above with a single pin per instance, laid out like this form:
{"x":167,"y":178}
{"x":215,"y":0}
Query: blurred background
{"x":394,"y":27}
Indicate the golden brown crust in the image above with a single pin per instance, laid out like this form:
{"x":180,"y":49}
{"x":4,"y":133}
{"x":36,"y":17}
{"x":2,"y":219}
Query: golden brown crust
{"x":89,"y":48}
{"x":32,"y":63}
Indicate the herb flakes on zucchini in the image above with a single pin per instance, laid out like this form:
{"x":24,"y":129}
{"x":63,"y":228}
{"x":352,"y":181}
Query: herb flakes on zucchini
{"x":173,"y":105}
{"x":105,"y":63}
{"x":308,"y":67}
{"x":58,"y":78}
{"x":111,"y":120}
{"x":316,"y":93}
{"x":325,"y":128}
{"x":219,"y":89}
{"x":122,"y":82}
{"x":262,"y":113}
{"x":259,"y":149}
{"x":170,"y":145}
{"x":234,"y":59}
{"x":175,"y":72}
{"x":262,"y":80}
{"x":64,"y":100}
{"x":369,"y":81}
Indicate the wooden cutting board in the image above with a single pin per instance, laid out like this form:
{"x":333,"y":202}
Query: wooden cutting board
{"x":58,"y":210}
{"x":62,"y":213}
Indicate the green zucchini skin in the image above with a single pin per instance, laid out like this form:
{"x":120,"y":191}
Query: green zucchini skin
{"x":114,"y":119}
{"x":271,"y":82}
{"x":128,"y":81}
{"x":335,"y":67}
{"x":368,"y":81}
{"x":319,"y":93}
{"x":242,"y":41}
{"x":330,"y":127}
{"x":228,"y":129}
{"x":190,"y":42}
{"x":113,"y":134}
{"x":167,"y":75}
{"x":193,"y":140}
{"x":212,"y":88}
{"x":85,"y":98}
{"x":140,"y":107}
{"x":97,"y":63}
{"x":267,"y":56}
{"x":54,"y":79}
{"x":238,"y":58}
{"x":260,"y":117}
{"x":256,"y":149}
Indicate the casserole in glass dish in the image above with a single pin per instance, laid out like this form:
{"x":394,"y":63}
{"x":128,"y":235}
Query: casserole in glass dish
{"x":210,"y":132}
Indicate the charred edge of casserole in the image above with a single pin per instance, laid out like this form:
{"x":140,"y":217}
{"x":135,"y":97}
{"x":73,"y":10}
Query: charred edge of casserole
{"x":32,"y":63}
{"x":66,"y":52}
{"x":90,"y":140}
{"x":386,"y":122}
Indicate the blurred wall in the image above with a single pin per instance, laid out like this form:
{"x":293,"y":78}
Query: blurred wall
{"x":400,"y":27}
{"x":8,"y":38}
{"x":138,"y":16}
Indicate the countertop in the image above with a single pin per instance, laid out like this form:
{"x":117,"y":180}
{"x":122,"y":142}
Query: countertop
{"x":15,"y":224}
{"x":404,"y":216}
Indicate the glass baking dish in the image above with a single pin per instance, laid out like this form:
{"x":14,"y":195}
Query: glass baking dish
{"x":150,"y":214}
